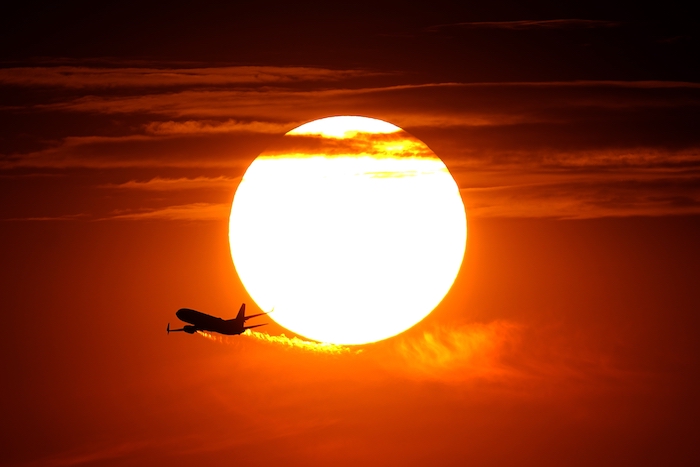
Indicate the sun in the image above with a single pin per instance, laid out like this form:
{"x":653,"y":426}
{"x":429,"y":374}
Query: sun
{"x":350,"y":228}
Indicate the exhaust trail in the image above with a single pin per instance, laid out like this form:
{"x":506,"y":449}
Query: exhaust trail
{"x":293,"y":342}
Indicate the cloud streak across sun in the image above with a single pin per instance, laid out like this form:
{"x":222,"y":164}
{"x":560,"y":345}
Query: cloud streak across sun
{"x":517,"y":149}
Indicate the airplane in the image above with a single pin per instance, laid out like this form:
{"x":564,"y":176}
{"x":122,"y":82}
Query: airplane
{"x":199,"y":321}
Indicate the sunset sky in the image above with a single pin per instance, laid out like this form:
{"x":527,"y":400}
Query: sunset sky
{"x":569,"y":338}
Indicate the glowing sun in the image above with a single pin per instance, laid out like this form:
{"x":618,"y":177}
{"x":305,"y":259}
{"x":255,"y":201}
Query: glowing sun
{"x":350,"y":228}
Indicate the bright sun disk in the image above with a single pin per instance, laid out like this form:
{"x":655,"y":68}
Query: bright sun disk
{"x":351,"y":229}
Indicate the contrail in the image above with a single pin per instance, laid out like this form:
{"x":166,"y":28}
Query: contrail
{"x":294,"y":342}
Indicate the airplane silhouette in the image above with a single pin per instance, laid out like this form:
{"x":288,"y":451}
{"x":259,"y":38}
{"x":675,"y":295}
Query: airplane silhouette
{"x":203,"y":322}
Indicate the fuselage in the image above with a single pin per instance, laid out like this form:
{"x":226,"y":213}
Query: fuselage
{"x":204,"y":322}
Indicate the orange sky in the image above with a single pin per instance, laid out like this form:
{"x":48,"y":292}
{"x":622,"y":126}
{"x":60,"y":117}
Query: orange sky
{"x":569,"y":337}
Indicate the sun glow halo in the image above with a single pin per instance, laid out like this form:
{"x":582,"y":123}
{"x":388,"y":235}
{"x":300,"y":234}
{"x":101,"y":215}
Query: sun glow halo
{"x":351,"y":229}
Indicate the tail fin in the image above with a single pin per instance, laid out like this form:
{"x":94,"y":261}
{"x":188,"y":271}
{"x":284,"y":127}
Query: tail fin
{"x":241,"y":313}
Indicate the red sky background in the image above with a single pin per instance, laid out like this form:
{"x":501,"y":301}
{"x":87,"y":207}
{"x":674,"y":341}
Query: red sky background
{"x":569,"y":337}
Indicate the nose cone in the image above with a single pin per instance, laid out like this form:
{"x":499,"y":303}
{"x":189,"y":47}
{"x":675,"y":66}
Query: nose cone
{"x":183,"y":313}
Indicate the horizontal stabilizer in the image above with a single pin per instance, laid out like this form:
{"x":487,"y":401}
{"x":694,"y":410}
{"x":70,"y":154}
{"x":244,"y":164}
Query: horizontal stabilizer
{"x":259,"y":314}
{"x":174,"y":330}
{"x":256,"y":326}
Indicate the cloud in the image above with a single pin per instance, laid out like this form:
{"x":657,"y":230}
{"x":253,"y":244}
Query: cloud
{"x":91,"y":77}
{"x":66,"y":217}
{"x":185,"y":212}
{"x":549,"y":163}
{"x":578,"y":149}
{"x":203,"y":104}
{"x":468,"y":120}
{"x":631,"y":160}
{"x":509,"y":356}
{"x":432,"y":104}
{"x":192,"y":127}
{"x":221,"y":150}
{"x":532,"y":24}
{"x":586,"y":199}
{"x":459,"y":353}
{"x":396,"y":144}
{"x":494,"y":183}
{"x":80,"y":151}
{"x":584,"y":184}
{"x":171,"y":184}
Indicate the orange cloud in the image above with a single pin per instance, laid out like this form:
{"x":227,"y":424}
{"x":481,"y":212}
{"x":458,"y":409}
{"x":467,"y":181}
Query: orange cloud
{"x":459,"y":353}
{"x":82,"y":77}
{"x":586,"y":199}
{"x":508,"y":356}
{"x":66,"y":217}
{"x":396,"y":144}
{"x":549,"y":149}
{"x":191,"y":127}
{"x":169,"y":184}
{"x":186,"y":212}
{"x":141,"y":151}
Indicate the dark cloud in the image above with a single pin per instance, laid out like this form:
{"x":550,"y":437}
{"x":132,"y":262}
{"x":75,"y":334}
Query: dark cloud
{"x":143,"y":151}
{"x":587,"y":198}
{"x":515,"y":148}
{"x":144,"y":77}
{"x":532,"y":24}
